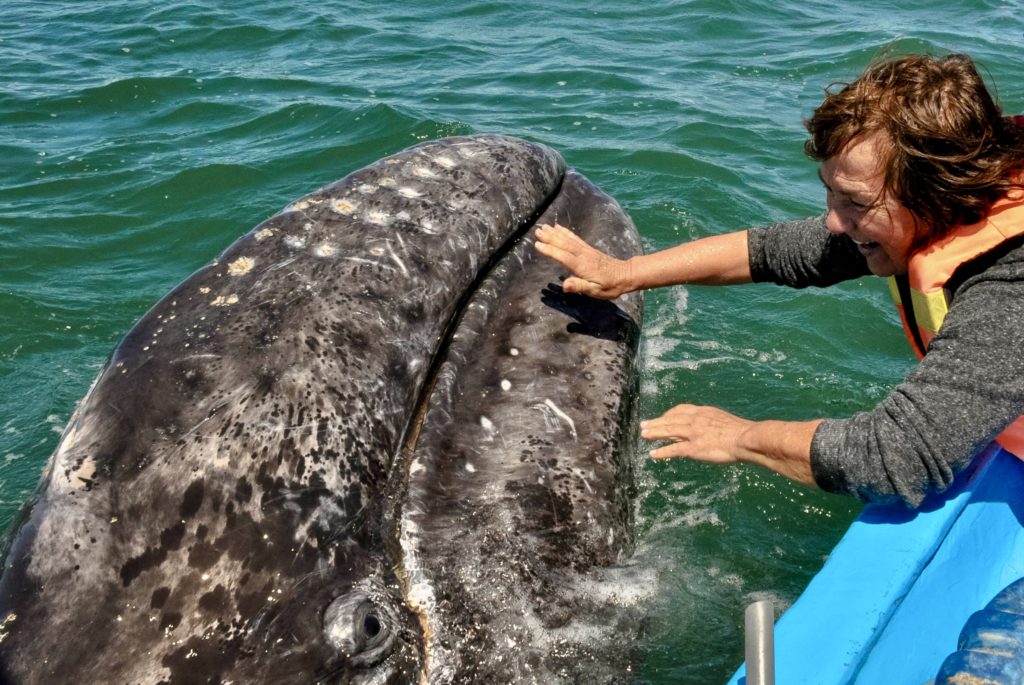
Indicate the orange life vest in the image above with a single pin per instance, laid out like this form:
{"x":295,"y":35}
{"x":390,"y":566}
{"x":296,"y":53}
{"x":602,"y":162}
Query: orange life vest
{"x":923,"y":295}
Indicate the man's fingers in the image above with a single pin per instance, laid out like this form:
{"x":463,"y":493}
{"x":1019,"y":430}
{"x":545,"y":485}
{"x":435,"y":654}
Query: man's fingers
{"x":680,"y":410}
{"x":591,"y":269}
{"x":661,"y":430}
{"x":561,"y":237}
{"x":676,"y":449}
{"x":554,"y":252}
{"x":569,"y":236}
{"x":576,"y":285}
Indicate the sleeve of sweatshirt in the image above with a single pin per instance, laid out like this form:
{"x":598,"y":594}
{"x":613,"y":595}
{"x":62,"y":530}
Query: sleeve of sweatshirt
{"x":969,"y":386}
{"x":801,"y":254}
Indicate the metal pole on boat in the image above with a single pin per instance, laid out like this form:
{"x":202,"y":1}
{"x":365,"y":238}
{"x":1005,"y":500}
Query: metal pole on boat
{"x":759,"y":629}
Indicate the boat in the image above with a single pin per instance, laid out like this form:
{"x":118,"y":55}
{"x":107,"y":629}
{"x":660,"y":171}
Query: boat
{"x":910,"y":595}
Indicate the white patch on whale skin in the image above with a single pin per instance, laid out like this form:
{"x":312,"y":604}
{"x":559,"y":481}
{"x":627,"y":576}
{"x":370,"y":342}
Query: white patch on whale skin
{"x":506,"y":384}
{"x":489,"y":429}
{"x":408,"y":192}
{"x":343,"y":206}
{"x":551,"y":412}
{"x":422,"y":172}
{"x":446,"y":162}
{"x":394,"y":257}
{"x":378,"y":217}
{"x":222,"y":301}
{"x":583,"y":478}
{"x":367,"y":189}
{"x":10,"y":618}
{"x":82,"y":476}
{"x":428,"y":228}
{"x":295,"y":242}
{"x":468,"y":151}
{"x":242,"y":265}
{"x":325,"y":250}
{"x":264,"y":233}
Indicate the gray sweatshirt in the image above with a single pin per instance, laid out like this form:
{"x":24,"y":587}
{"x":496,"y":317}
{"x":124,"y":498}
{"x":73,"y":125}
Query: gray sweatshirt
{"x":968,"y":387}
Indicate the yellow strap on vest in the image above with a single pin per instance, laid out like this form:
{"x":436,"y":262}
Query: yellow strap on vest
{"x":930,"y":309}
{"x":894,"y":290}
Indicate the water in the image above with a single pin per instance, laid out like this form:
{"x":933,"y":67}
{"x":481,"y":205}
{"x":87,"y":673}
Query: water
{"x":138,"y":139}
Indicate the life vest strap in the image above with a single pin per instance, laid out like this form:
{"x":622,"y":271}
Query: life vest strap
{"x":929,"y":308}
{"x":903,"y":294}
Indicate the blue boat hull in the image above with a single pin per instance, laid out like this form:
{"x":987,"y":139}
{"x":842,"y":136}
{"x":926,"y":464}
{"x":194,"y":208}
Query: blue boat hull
{"x":890,"y":602}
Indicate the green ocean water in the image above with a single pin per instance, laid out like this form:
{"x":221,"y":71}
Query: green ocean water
{"x":139,"y":139}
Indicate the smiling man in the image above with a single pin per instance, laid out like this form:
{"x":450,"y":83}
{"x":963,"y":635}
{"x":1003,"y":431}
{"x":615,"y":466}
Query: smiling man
{"x":923,"y":184}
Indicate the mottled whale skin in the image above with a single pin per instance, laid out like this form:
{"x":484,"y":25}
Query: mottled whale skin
{"x":373,"y":442}
{"x":213,"y":512}
{"x":520,"y":480}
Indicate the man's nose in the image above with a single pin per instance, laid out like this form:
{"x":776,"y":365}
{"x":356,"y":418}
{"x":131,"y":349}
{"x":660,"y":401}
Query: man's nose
{"x":834,"y":222}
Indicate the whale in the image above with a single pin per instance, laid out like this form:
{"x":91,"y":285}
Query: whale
{"x":371,"y":442}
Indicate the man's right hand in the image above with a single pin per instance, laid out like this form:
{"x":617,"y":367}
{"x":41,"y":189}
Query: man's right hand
{"x":595,"y":273}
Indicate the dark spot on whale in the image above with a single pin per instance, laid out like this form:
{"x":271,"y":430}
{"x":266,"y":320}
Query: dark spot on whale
{"x":243,"y":490}
{"x":249,"y":604}
{"x":192,"y":500}
{"x":266,"y":379}
{"x":191,"y":380}
{"x":549,"y":369}
{"x":135,"y":566}
{"x":215,"y":601}
{"x":549,"y":507}
{"x":244,"y":538}
{"x":170,"y":620}
{"x":202,"y":556}
{"x":413,"y":310}
{"x":170,"y":538}
{"x":198,"y":655}
{"x":159,"y":597}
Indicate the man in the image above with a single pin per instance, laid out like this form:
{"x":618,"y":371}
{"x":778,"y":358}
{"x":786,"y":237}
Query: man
{"x":923,"y":183}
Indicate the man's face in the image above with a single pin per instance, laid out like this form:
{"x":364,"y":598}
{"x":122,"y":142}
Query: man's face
{"x":880,"y":225}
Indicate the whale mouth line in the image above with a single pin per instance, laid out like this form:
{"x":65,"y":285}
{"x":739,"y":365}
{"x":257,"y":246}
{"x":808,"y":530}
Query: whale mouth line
{"x":397,"y":481}
{"x":499,"y":436}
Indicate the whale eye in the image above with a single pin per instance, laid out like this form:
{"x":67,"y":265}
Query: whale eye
{"x":359,"y":629}
{"x":371,"y":626}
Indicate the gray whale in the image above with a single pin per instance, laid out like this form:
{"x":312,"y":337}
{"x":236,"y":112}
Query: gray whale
{"x":373,"y":442}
